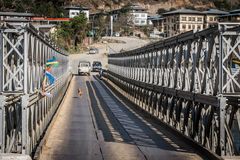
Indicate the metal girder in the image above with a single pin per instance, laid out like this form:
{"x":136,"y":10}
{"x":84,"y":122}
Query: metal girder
{"x":2,"y":123}
{"x":188,"y":82}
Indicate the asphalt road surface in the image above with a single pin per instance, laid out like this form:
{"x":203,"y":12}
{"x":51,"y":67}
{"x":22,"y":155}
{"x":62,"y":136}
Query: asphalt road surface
{"x":96,"y":124}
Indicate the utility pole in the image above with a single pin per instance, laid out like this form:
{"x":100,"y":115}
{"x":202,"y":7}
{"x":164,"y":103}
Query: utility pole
{"x":93,"y":27}
{"x":111,"y":24}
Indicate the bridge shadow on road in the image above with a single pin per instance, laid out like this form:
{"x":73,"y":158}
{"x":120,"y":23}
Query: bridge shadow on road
{"x":96,"y":125}
{"x":113,"y":117}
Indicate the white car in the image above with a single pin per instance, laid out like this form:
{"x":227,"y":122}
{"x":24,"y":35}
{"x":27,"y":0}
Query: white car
{"x":93,"y":51}
{"x":84,"y":67}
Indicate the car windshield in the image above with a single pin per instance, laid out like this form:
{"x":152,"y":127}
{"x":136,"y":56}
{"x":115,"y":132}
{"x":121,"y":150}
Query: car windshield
{"x":97,"y":64}
{"x":84,"y":64}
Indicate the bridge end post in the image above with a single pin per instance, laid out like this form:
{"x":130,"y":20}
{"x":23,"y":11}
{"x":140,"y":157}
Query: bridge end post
{"x":1,"y":61}
{"x":25,"y":145}
{"x":222,"y":107}
{"x":25,"y":99}
{"x":2,"y":123}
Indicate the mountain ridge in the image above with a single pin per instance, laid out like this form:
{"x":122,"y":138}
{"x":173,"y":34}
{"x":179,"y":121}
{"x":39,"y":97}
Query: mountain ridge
{"x":55,"y":8}
{"x":154,"y":5}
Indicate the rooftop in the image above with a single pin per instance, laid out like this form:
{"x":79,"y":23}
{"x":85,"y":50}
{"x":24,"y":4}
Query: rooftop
{"x":232,"y":13}
{"x":98,"y":13}
{"x":235,"y":11}
{"x":183,"y":11}
{"x":155,"y":17}
{"x":215,"y":12}
{"x":137,"y":7}
{"x":76,"y":7}
{"x":16,"y":20}
{"x":17,"y":14}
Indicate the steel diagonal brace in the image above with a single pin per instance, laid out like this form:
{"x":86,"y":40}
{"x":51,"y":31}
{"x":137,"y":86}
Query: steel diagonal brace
{"x":232,"y":78}
{"x":232,"y":49}
{"x":13,"y":46}
{"x":13,"y":75}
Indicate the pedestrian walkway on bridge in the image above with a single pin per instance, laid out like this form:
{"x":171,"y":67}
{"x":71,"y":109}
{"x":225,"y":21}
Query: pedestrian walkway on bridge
{"x":96,"y":124}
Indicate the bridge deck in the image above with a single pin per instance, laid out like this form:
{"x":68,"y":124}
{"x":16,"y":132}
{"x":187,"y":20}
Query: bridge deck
{"x":97,"y":125}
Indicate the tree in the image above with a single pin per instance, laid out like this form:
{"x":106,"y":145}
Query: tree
{"x":100,"y":25}
{"x":52,"y":8}
{"x":190,"y":7}
{"x":222,"y":4}
{"x":73,"y":32}
{"x":79,"y":28}
{"x":123,"y":23}
{"x":161,"y":11}
{"x":172,"y":9}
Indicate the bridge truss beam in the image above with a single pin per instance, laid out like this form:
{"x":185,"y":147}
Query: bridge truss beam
{"x":191,"y":82}
{"x":24,"y":112}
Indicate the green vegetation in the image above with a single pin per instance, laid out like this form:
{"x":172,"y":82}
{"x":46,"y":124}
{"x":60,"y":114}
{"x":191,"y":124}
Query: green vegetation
{"x":161,"y":11}
{"x":70,"y":35}
{"x":99,"y":25}
{"x":227,"y":4}
{"x":123,"y":25}
{"x":52,"y":8}
{"x":222,"y":4}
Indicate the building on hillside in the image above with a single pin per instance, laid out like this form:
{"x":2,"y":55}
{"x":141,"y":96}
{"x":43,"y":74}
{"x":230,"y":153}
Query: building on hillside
{"x":15,"y":17}
{"x":233,"y":16}
{"x":211,"y":17}
{"x":116,"y":13}
{"x":156,"y":21}
{"x":182,"y":20}
{"x":73,"y":11}
{"x":97,"y":14}
{"x":138,"y":15}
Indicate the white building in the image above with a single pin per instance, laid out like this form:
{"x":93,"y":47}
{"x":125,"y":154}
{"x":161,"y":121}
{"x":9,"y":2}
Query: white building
{"x":139,"y":15}
{"x":211,"y":17}
{"x":73,"y":11}
{"x":182,"y":20}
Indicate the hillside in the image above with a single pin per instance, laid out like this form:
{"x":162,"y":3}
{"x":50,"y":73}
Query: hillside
{"x":54,"y":8}
{"x":151,"y":5}
{"x":154,"y":5}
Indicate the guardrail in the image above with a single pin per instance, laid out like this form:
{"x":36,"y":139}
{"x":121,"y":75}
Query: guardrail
{"x":24,"y":111}
{"x":190,"y":82}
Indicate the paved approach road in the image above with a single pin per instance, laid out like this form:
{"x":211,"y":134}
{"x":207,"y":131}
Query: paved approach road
{"x":104,"y":49}
{"x":98,"y":125}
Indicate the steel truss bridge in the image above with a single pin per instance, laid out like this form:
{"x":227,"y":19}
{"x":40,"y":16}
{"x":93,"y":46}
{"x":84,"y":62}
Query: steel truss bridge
{"x":191,"y":82}
{"x":24,"y":113}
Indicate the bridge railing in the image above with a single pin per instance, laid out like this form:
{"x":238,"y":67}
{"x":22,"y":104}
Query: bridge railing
{"x":24,"y":110}
{"x":190,"y":82}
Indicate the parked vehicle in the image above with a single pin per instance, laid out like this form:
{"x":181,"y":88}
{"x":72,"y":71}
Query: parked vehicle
{"x":117,"y":34}
{"x":96,"y":66}
{"x":93,"y":51}
{"x":84,"y":67}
